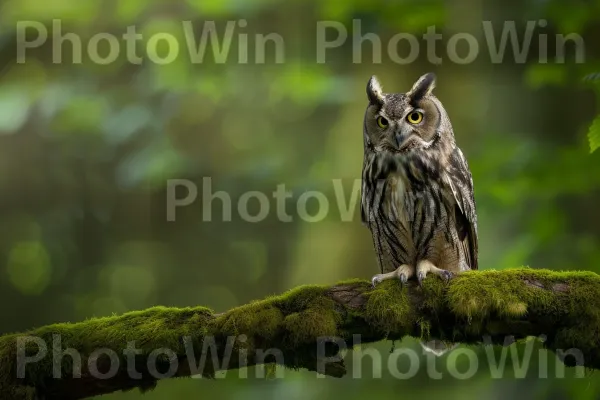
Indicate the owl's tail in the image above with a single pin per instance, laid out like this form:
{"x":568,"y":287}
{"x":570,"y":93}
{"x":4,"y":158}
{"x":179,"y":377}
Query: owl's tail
{"x":438,"y":347}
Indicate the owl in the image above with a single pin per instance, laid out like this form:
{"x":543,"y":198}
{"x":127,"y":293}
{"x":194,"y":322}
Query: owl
{"x":417,"y":190}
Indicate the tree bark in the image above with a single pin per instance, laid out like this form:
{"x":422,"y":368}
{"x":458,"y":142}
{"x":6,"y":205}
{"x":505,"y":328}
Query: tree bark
{"x":303,"y":328}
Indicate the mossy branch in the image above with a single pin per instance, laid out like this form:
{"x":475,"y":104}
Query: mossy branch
{"x":563,"y":306}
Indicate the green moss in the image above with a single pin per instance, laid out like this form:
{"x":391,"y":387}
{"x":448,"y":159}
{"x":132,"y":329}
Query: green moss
{"x":300,"y":297}
{"x":569,"y":303}
{"x":258,"y":318}
{"x":388,"y":308}
{"x":309,"y":314}
{"x":511,"y":293}
{"x":570,"y":299}
{"x":151,"y":329}
{"x":479,"y":294}
{"x":306,"y":326}
{"x":434,"y":290}
{"x":355,"y":282}
{"x":297,"y":316}
{"x":425,"y":327}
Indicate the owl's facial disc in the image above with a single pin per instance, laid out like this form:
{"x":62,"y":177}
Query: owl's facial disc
{"x":402,"y":122}
{"x":400,"y":128}
{"x":408,"y":136}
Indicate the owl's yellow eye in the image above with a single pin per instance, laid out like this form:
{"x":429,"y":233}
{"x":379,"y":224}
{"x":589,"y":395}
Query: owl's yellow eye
{"x":415,"y":117}
{"x":382,"y":122}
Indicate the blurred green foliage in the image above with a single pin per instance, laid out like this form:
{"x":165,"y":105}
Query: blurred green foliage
{"x":594,"y":134}
{"x":86,"y":151}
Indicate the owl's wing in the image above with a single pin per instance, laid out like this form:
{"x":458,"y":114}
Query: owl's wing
{"x":461,"y":184}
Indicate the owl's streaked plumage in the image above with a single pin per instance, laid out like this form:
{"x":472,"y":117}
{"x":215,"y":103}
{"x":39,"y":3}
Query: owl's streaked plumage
{"x":417,"y":190}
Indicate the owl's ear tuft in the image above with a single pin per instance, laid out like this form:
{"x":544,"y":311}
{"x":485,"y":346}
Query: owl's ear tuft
{"x":374,"y":91}
{"x":422,"y":87}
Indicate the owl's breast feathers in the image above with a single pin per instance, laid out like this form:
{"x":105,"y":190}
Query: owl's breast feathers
{"x":424,"y":209}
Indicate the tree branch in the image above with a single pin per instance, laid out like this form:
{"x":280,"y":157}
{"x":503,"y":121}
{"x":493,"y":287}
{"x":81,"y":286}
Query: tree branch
{"x":563,"y":306}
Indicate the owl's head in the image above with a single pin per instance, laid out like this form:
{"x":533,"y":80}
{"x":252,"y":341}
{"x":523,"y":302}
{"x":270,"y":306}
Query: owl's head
{"x":405,"y":122}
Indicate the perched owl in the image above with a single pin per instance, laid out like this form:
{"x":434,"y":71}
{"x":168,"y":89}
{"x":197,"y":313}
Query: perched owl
{"x":417,"y":190}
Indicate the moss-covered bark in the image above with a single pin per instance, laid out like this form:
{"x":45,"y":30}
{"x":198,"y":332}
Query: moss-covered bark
{"x":564,"y":306}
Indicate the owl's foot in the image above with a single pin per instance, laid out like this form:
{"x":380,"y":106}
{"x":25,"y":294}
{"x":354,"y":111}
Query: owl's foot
{"x":425,"y":267}
{"x":402,"y":273}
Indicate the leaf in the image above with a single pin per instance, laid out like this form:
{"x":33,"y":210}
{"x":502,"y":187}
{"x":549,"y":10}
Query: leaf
{"x":541,"y":75}
{"x":594,"y":77}
{"x":594,"y":134}
{"x":14,"y":110}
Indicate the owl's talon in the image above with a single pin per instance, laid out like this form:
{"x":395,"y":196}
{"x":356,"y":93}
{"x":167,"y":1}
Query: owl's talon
{"x":446,"y":275}
{"x":375,"y":280}
{"x":403,"y":279}
{"x":426,"y":267}
{"x":402,"y":273}
{"x":420,"y":276}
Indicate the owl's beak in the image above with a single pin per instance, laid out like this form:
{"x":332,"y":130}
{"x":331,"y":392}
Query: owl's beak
{"x":401,"y":135}
{"x":399,"y":140}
